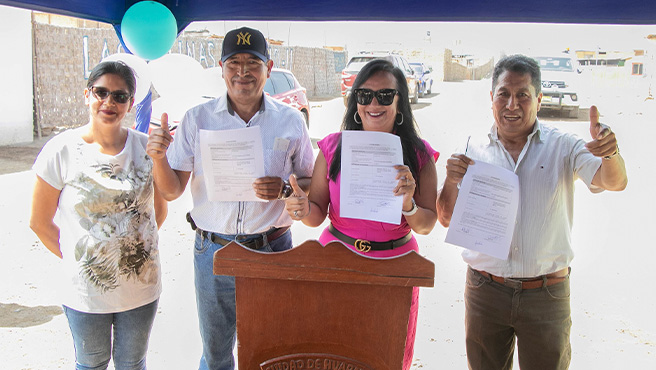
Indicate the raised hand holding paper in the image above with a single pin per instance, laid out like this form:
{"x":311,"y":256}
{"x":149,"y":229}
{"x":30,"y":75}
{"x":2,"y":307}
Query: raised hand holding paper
{"x":369,"y":177}
{"x":484,"y":215}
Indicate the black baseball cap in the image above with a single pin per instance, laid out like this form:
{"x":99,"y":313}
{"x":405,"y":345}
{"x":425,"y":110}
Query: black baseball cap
{"x":245,"y":40}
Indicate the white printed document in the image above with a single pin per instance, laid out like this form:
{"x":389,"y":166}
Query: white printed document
{"x":486,"y":209}
{"x":232,"y":160}
{"x":368,"y":176}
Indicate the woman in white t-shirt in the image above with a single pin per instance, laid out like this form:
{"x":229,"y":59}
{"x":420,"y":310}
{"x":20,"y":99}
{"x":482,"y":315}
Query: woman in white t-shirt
{"x":95,"y":206}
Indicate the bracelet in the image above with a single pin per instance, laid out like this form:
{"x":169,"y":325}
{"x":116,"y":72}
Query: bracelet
{"x":412,"y":210}
{"x":617,"y":151}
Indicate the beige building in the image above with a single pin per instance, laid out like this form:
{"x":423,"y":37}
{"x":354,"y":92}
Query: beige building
{"x":16,"y":95}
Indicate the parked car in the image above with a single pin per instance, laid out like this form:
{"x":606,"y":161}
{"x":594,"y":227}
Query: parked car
{"x":357,"y":62}
{"x":282,"y":85}
{"x":560,"y":75}
{"x":425,"y":79}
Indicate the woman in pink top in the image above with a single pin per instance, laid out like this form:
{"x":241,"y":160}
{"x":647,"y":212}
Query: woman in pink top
{"x":379,"y":102}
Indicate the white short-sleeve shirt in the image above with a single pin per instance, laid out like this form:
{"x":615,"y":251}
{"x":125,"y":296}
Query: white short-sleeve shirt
{"x":106,"y":216}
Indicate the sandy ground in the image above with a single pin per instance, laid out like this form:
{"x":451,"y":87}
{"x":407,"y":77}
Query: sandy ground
{"x":612,"y":295}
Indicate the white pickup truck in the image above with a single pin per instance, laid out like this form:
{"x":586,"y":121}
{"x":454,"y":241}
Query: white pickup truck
{"x":560,"y":75}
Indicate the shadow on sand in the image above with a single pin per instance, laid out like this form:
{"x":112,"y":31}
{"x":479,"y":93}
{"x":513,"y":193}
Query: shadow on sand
{"x":13,"y":315}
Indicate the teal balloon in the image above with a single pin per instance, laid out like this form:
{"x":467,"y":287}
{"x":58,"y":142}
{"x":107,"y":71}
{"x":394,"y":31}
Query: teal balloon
{"x":149,"y":29}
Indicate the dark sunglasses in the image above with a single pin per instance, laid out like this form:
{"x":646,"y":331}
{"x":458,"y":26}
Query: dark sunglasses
{"x":384,"y":96}
{"x":101,"y":93}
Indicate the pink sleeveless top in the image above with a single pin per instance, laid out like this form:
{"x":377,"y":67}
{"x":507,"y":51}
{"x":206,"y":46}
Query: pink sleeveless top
{"x":365,"y":229}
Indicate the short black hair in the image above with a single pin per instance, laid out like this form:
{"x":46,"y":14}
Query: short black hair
{"x":519,"y":64}
{"x":115,"y":68}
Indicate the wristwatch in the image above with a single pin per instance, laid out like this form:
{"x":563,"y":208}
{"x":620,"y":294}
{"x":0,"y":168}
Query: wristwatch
{"x":286,"y":190}
{"x":412,"y":210}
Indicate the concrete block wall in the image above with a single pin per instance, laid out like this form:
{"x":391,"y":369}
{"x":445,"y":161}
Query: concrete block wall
{"x":482,"y":71}
{"x":457,"y":72}
{"x":64,"y":55}
{"x":453,"y":71}
{"x":60,"y":72}
{"x":316,"y":69}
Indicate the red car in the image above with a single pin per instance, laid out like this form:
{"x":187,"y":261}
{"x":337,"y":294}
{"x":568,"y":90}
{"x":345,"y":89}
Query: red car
{"x":282,"y":85}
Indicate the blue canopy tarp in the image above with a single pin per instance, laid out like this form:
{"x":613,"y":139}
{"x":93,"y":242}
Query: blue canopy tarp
{"x":533,"y":11}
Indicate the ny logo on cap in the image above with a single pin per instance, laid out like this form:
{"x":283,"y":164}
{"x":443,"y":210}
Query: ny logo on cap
{"x":243,"y":38}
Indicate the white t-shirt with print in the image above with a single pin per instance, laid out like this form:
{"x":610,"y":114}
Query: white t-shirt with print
{"x":108,"y":232}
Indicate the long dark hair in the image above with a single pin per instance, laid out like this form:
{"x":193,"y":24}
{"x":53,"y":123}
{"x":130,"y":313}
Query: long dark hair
{"x":410,"y":140}
{"x":116,"y":68}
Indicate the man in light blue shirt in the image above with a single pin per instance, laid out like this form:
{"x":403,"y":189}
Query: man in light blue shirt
{"x":526,"y":296}
{"x":258,"y":225}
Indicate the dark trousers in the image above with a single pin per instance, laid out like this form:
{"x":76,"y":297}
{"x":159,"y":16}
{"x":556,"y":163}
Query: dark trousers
{"x":496,"y":314}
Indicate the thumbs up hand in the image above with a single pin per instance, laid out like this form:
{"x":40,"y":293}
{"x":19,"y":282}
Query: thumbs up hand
{"x":604,"y":143}
{"x":298,"y":192}
{"x":159,"y":139}
{"x":298,"y":205}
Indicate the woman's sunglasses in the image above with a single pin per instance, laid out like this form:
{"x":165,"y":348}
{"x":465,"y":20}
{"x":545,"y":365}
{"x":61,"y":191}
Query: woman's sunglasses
{"x":384,"y":96}
{"x":101,"y":93}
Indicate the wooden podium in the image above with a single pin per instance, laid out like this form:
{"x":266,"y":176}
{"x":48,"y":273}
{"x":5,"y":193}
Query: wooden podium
{"x":319,"y":308}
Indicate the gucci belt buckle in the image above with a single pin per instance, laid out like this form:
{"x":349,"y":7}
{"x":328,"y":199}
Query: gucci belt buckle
{"x":363,"y":246}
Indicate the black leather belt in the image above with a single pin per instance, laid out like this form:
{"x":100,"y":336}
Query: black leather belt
{"x":252,"y":241}
{"x":366,"y":245}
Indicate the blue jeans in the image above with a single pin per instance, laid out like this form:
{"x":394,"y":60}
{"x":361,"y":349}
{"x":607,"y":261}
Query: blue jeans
{"x":215,"y":299}
{"x":92,"y":337}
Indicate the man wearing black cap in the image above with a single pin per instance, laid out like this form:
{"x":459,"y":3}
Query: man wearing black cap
{"x":259,"y":225}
